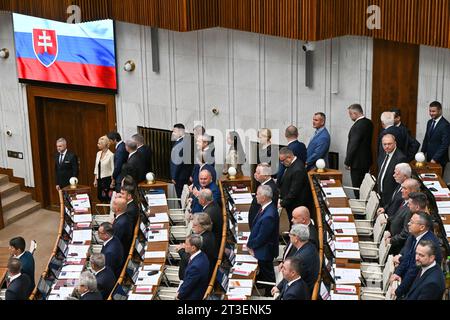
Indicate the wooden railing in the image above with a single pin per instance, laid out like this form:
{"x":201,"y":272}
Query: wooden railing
{"x":2,"y":223}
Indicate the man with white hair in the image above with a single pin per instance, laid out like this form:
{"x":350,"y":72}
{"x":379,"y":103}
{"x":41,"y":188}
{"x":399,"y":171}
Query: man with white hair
{"x":66,"y":164}
{"x":87,"y":287}
{"x":388,"y":123}
{"x":135,"y":161}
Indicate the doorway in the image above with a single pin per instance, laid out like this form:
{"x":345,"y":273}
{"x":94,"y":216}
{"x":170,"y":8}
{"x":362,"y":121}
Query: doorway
{"x":79,"y":117}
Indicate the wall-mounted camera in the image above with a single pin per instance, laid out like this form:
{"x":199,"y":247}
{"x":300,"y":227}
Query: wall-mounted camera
{"x":308,"y":46}
{"x":9,"y":133}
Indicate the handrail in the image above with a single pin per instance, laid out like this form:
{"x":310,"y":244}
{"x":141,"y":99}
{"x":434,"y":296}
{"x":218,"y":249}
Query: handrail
{"x":222,"y":244}
{"x":2,"y":222}
{"x":319,"y":225}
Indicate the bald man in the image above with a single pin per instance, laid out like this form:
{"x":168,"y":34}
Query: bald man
{"x":206,"y":182}
{"x":123,"y":229}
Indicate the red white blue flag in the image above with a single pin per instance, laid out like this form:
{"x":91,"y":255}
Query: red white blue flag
{"x":77,"y":54}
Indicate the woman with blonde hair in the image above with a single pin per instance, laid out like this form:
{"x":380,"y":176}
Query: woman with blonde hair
{"x":104,"y":167}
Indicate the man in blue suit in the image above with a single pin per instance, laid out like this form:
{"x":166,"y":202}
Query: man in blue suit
{"x":429,"y":283}
{"x":199,"y":167}
{"x":112,"y":248}
{"x":17,"y":250}
{"x":19,"y":283}
{"x":180,"y":158}
{"x":195,"y":280}
{"x":297,"y":147}
{"x":437,"y":138}
{"x":123,"y":228}
{"x":320,"y":143}
{"x":292,"y":286}
{"x":263,"y":241}
{"x":420,"y":228}
{"x":120,"y":157}
{"x":205,"y":178}
{"x":104,"y":275}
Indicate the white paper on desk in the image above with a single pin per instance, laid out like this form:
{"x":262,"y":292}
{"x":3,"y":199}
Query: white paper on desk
{"x":432,"y":184}
{"x":82,"y":196}
{"x":151,"y":267}
{"x":157,"y":202}
{"x":244,"y":268}
{"x":340,"y":211}
{"x":148,"y":280}
{"x":81,"y":204}
{"x":240,"y":283}
{"x":443,"y":204}
{"x":69,"y":275}
{"x":344,"y":254}
{"x":243,"y":238}
{"x":345,"y":232}
{"x":344,"y":239}
{"x":82,"y":218}
{"x":444,"y":211}
{"x":73,"y":268}
{"x":54,"y":297}
{"x":236,"y":297}
{"x":243,"y":201}
{"x":143,"y":289}
{"x":161,"y":217}
{"x":344,"y":225}
{"x":63,"y":292}
{"x":154,"y":254}
{"x":134,"y":296}
{"x":156,"y":196}
{"x":245,"y":258}
{"x":243,"y":195}
{"x":347,"y":246}
{"x":341,"y":218}
{"x":336,"y":296}
{"x":242,"y":217}
{"x":78,"y":251}
{"x":239,"y":291}
{"x":82,"y":235}
{"x":447,"y":228}
{"x":347,"y":276}
{"x":334,"y":192}
{"x":157,"y":236}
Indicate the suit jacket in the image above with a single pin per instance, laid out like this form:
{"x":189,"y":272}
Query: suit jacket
{"x":105,"y":282}
{"x":294,"y":187}
{"x":114,"y":256}
{"x":399,"y":135}
{"x":430,"y":286}
{"x":407,"y":269}
{"x":318,"y":148}
{"x":215,"y":213}
{"x":435,"y":144}
{"x":132,"y":213}
{"x":264,"y":235}
{"x":395,"y":202}
{"x":123,"y":230}
{"x":137,"y":163}
{"x":299,"y":150}
{"x":389,"y":184}
{"x":296,"y":291}
{"x":359,"y":145}
{"x":120,"y":157}
{"x":196,"y":173}
{"x":146,"y":155}
{"x":290,"y":250}
{"x":411,"y":145}
{"x":196,"y":206}
{"x":66,"y":170}
{"x":397,"y":225}
{"x":19,"y":289}
{"x":195,"y":280}
{"x":27,"y":262}
{"x":310,"y":264}
{"x":92,"y":296}
{"x":254,"y":207}
{"x":180,"y":165}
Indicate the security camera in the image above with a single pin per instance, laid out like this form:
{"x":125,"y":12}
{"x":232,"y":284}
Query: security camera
{"x":9,"y":133}
{"x":308,"y":46}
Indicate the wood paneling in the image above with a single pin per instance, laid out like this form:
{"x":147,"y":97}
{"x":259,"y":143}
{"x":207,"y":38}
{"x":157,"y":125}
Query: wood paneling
{"x":395,"y":82}
{"x":411,"y":21}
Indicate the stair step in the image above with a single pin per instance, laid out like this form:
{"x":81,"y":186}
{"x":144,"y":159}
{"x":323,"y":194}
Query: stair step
{"x":15,"y":200}
{"x":19,"y":212}
{"x":4,"y":179}
{"x":8,"y":189}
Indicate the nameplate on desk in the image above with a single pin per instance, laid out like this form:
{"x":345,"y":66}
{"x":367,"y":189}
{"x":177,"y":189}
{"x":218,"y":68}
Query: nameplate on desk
{"x":245,"y":258}
{"x":340,"y":211}
{"x":158,"y":235}
{"x":443,"y":204}
{"x":334,"y":192}
{"x":140,"y":297}
{"x":344,"y":289}
{"x":341,"y":219}
{"x":82,"y":218}
{"x":346,"y":254}
{"x":346,"y":246}
{"x":428,"y":175}
{"x":155,"y":255}
{"x":161,"y":217}
{"x":143,"y":289}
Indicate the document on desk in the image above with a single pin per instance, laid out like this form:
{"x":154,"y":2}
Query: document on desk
{"x":443,"y":204}
{"x":432,"y":184}
{"x":158,"y":235}
{"x":78,"y":251}
{"x":239,"y":291}
{"x":161,"y":217}
{"x":77,"y":218}
{"x":337,"y":296}
{"x":134,"y":296}
{"x":347,"y":276}
{"x":244,"y":269}
{"x":82,"y":196}
{"x":246,"y":258}
{"x":82,"y":235}
{"x":69,"y":275}
{"x":157,"y":202}
{"x":151,"y":267}
{"x":81,"y":203}
{"x":344,"y":225}
{"x":344,"y":254}
{"x":443,"y":210}
{"x":345,"y":232}
{"x":340,"y":211}
{"x":242,"y":217}
{"x":145,"y":279}
{"x":345,"y":289}
{"x":334,"y":192}
{"x":243,"y":201}
{"x":63,"y":292}
{"x":72,"y":268}
{"x":155,"y":254}
{"x":239,"y":283}
{"x":428,"y":175}
{"x":143,"y":289}
{"x":346,"y":245}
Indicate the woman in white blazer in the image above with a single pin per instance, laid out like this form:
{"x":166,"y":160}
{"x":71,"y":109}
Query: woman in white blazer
{"x":104,"y":167}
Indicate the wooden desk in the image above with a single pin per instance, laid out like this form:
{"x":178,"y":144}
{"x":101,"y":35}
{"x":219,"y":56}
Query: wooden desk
{"x":4,"y":258}
{"x":3,"y":272}
{"x":157,"y":185}
{"x":78,"y":189}
{"x":427,"y":168}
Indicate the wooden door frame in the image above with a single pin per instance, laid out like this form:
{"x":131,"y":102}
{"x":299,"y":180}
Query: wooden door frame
{"x":34,"y":92}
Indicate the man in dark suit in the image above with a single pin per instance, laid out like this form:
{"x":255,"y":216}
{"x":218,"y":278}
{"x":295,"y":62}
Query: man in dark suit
{"x":214,"y":212}
{"x":297,"y":147}
{"x":387,"y":122}
{"x":411,"y":145}
{"x":132,"y":210}
{"x":420,"y":228}
{"x":387,"y":161}
{"x":136,"y":161}
{"x":180,"y":158}
{"x":358,"y":158}
{"x":17,"y":250}
{"x":112,"y":248}
{"x":18,"y":287}
{"x":120,"y":157}
{"x":302,"y":248}
{"x":294,"y":187}
{"x":103,"y":274}
{"x":263,"y":241}
{"x":205,"y":146}
{"x":66,"y":164}
{"x":144,"y":150}
{"x":429,"y":283}
{"x":87,"y":287}
{"x":195,"y":280}
{"x":437,"y":138}
{"x":123,"y":229}
{"x":206,"y":182}
{"x":198,"y":167}
{"x":301,"y":215}
{"x":293,"y":287}
{"x":263,"y":176}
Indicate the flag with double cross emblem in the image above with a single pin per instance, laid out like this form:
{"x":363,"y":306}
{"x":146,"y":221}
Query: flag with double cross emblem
{"x":45,"y":46}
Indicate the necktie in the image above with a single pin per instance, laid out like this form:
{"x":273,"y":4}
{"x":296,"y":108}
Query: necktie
{"x":433,"y":126}
{"x":283,"y":291}
{"x":61,"y":158}
{"x":382,"y":172}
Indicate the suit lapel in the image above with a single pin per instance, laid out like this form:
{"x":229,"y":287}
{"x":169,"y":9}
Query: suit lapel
{"x":419,"y":280}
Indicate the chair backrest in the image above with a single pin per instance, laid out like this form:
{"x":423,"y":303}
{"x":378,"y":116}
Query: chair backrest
{"x":383,"y":252}
{"x":367,"y":185}
{"x":378,"y":229}
{"x":184,"y":196}
{"x":372,"y":205}
{"x":33,"y":246}
{"x":387,"y":272}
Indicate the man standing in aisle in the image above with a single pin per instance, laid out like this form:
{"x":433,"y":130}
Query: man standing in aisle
{"x":66,"y":164}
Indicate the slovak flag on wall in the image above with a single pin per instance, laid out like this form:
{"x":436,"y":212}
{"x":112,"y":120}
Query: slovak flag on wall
{"x":76,"y":54}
